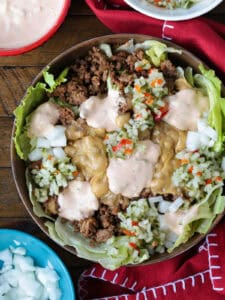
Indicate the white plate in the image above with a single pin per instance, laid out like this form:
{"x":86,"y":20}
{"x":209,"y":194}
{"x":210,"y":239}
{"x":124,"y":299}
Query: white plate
{"x":178,"y":14}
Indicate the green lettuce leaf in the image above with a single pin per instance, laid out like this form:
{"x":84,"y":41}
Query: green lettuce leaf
{"x":33,"y":98}
{"x":51,"y":81}
{"x":212,"y":87}
{"x":206,"y":212}
{"x":157,"y":52}
{"x":188,"y":74}
{"x":58,"y":101}
{"x":111,"y":254}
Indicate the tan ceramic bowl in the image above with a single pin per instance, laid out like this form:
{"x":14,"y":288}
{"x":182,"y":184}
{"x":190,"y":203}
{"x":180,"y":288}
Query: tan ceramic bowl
{"x":59,"y":63}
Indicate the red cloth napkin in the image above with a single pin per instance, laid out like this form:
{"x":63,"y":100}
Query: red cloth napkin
{"x":203,"y":37}
{"x":200,"y":272}
{"x":196,"y":274}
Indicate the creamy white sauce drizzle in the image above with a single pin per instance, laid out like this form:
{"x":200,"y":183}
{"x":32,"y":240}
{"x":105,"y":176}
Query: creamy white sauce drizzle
{"x":175,"y":222}
{"x":43,"y":120}
{"x":23,"y":22}
{"x":77,"y":201}
{"x":185,"y":109}
{"x":102,"y":112}
{"x":129,"y":176}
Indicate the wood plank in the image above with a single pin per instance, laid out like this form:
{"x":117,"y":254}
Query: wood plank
{"x":79,"y":8}
{"x":5,"y":133}
{"x":10,"y":203}
{"x":73,"y":31}
{"x":14,"y":82}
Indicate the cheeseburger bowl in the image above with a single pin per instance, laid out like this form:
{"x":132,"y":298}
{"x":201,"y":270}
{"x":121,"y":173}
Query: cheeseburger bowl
{"x":117,"y":150}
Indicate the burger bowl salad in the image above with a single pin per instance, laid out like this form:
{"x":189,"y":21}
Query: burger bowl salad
{"x":124,"y":152}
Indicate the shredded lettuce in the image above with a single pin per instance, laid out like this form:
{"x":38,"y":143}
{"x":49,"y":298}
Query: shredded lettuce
{"x":37,"y":208}
{"x":212,"y":86}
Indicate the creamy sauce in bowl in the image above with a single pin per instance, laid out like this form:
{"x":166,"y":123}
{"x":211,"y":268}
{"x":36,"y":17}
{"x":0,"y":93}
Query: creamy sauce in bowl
{"x":24,"y":22}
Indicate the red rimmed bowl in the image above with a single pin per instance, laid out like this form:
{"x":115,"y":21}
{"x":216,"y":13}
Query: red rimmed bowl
{"x":59,"y":18}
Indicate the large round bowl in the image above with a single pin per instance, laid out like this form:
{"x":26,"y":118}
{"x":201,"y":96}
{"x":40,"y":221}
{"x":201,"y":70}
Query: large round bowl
{"x":57,"y":65}
{"x":42,"y":255}
{"x":179,"y":14}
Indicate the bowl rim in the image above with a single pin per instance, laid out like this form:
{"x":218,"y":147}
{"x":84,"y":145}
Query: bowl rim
{"x":186,"y":16}
{"x":44,"y":38}
{"x":46,"y":247}
{"x":194,"y":240}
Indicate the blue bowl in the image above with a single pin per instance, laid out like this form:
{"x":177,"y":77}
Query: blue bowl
{"x":41,"y":254}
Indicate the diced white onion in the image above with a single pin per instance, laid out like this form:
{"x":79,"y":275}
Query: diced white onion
{"x":4,"y":288}
{"x":106,"y":48}
{"x":25,"y":281}
{"x":155,"y":199}
{"x":202,"y":125}
{"x":210,"y":132}
{"x":168,"y":244}
{"x":18,"y":250}
{"x":35,"y":155}
{"x":59,"y":153}
{"x":204,"y":139}
{"x":43,"y":143}
{"x":56,"y":132}
{"x":59,"y":142}
{"x":193,"y":141}
{"x":57,"y":136}
{"x":176,"y":205}
{"x":6,"y":256}
{"x":24,"y":263}
{"x":171,"y":236}
{"x":164,"y":206}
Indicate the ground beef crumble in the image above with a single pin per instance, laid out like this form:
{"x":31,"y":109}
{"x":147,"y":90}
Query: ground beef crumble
{"x":170,"y":73}
{"x":66,"y":116}
{"x":100,"y":227}
{"x":88,"y":75}
{"x":51,"y":206}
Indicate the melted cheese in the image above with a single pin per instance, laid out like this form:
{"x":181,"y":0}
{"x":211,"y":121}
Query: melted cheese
{"x":129,"y":176}
{"x":102,"y":112}
{"x":43,"y":120}
{"x":185,"y":109}
{"x":77,"y":201}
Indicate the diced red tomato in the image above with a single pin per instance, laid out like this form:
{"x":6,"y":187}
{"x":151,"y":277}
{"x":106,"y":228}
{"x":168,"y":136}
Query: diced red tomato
{"x":208,"y":181}
{"x":128,"y":232}
{"x":134,"y":246}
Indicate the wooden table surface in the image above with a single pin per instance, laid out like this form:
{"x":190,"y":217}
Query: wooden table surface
{"x":16,"y":74}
